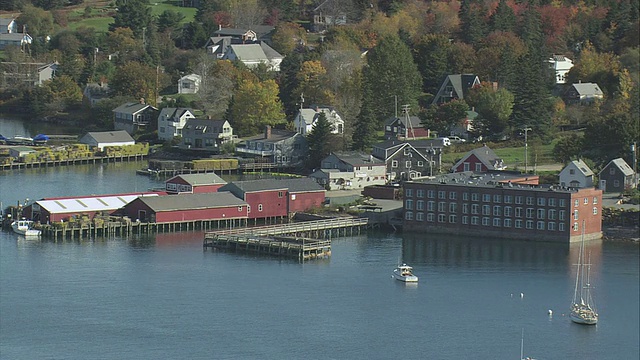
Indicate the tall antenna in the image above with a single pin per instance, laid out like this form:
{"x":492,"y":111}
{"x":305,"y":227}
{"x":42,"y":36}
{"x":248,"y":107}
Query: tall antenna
{"x":408,"y":125}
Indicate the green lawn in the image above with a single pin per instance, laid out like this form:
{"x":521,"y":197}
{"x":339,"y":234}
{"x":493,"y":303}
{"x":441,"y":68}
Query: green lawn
{"x":101,"y":22}
{"x":513,"y":157}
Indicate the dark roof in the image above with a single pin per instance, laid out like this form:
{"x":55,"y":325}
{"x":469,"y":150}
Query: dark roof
{"x":110,"y":136}
{"x":202,"y":124}
{"x":170,"y":112}
{"x":487,"y":156}
{"x":276,"y":136}
{"x":292,"y":185}
{"x":355,"y":158}
{"x":132,"y":108}
{"x":191,"y":201}
{"x":426,"y":143}
{"x":414,"y":120}
{"x":389,"y":144}
{"x":200,"y":179}
{"x":471,"y":179}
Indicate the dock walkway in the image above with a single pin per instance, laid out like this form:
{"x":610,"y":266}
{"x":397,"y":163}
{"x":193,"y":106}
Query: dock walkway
{"x":303,"y":240}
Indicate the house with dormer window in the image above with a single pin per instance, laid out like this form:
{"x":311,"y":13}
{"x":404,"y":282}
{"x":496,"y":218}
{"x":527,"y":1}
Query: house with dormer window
{"x":134,"y":116}
{"x":171,"y":121}
{"x":281,"y":147}
{"x":205,"y":134}
{"x":576,"y":174}
{"x":455,"y":87}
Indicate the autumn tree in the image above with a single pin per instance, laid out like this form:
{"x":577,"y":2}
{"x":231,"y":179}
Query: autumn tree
{"x":311,"y":82}
{"x":287,"y":37}
{"x":65,"y":92}
{"x":138,"y":81}
{"x":216,"y":84}
{"x":255,"y":105}
{"x":246,"y":13}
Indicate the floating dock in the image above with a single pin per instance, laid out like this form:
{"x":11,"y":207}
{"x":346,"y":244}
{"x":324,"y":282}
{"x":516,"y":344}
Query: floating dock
{"x":303,"y":240}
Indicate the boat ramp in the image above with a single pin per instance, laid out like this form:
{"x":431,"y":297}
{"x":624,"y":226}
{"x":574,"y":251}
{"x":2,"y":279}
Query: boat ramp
{"x":302,"y":240}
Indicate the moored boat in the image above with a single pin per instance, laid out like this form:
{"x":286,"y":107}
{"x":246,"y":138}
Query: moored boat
{"x":582,"y":309}
{"x":404,"y":273}
{"x":25,"y":227}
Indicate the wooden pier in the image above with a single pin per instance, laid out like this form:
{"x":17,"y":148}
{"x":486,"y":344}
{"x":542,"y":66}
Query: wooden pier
{"x":68,"y":162}
{"x":302,"y":240}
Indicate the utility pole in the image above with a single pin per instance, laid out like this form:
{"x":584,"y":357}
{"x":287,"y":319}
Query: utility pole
{"x":634,"y":148}
{"x":526,"y":132}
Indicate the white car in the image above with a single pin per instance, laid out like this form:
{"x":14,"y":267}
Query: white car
{"x":456,"y":139}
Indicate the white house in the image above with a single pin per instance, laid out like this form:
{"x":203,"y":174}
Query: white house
{"x":577,"y":175}
{"x":8,"y":26}
{"x":253,"y":54}
{"x":561,"y":65}
{"x":307,"y":118}
{"x":350,"y":170}
{"x":189,"y":84}
{"x":171,"y":121}
{"x":107,"y":138}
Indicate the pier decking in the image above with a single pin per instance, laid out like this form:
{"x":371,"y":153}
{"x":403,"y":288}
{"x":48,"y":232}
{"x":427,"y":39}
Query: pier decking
{"x":68,"y":162}
{"x":302,"y":240}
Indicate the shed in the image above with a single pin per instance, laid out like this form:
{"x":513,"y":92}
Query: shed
{"x":107,"y":138}
{"x":194,"y":183}
{"x":20,"y":151}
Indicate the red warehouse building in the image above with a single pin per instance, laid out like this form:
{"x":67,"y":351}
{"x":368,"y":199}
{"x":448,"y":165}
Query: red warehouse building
{"x":194,"y":183}
{"x":277,"y":198}
{"x":61,"y":209}
{"x":188,"y":208}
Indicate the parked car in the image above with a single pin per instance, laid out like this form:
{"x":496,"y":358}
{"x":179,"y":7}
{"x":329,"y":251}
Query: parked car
{"x":456,"y":140}
{"x":445,"y":141}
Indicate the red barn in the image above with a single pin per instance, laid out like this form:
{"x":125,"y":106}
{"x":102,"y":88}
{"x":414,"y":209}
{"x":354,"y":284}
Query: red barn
{"x":186,"y":207}
{"x":194,"y":183}
{"x":479,"y":160}
{"x":271,"y":198}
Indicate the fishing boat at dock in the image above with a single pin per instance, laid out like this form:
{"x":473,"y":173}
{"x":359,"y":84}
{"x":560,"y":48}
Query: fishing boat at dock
{"x":25,"y":227}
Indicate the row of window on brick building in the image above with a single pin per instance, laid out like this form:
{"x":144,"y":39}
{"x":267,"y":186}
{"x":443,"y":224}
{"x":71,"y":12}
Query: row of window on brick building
{"x":497,"y":210}
{"x":497,"y":198}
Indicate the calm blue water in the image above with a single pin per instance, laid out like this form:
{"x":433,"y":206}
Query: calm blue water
{"x":163,"y":297}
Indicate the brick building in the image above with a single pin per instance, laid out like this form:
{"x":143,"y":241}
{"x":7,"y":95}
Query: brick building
{"x":501,"y":205}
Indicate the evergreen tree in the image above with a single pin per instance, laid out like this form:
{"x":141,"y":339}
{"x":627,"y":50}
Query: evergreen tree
{"x":503,"y":19}
{"x":289,"y":69}
{"x":472,"y":25}
{"x":133,"y":14}
{"x":319,"y":141}
{"x":364,"y":132}
{"x":432,"y":51}
{"x":390,"y":72}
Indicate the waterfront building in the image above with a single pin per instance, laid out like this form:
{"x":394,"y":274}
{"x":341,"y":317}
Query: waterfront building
{"x":576,"y":174}
{"x":194,"y":183}
{"x":171,"y":121}
{"x":277,"y":198}
{"x":65,"y":208}
{"x":206,"y":134}
{"x":501,"y":205}
{"x":187,"y":208}
{"x":134,"y":116}
{"x":100,"y":139}
{"x":350,"y":170}
{"x":280,"y":147}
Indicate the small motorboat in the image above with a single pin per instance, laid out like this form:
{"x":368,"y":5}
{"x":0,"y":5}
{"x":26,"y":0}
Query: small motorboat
{"x":25,"y":227}
{"x":404,"y":273}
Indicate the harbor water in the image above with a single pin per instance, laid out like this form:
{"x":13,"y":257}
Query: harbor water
{"x":163,"y":297}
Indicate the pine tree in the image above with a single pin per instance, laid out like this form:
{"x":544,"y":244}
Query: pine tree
{"x":133,"y":14}
{"x":472,"y":25}
{"x":432,"y":53}
{"x":503,"y":19}
{"x":390,"y":72}
{"x":319,"y":140}
{"x":364,"y":130}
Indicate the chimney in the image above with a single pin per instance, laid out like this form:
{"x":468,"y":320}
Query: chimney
{"x":267,"y":132}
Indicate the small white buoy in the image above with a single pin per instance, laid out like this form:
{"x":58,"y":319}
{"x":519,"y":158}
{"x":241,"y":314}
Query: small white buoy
{"x":550,"y":312}
{"x":512,"y":295}
{"x":521,"y":295}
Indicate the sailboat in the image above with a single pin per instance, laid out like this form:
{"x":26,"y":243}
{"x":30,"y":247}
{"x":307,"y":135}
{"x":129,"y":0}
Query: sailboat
{"x":582,"y":308}
{"x":522,"y":349}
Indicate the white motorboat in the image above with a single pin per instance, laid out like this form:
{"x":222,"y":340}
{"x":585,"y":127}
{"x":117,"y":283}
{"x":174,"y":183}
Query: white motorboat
{"x":25,"y":227}
{"x":582,"y":309}
{"x":404,"y":273}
